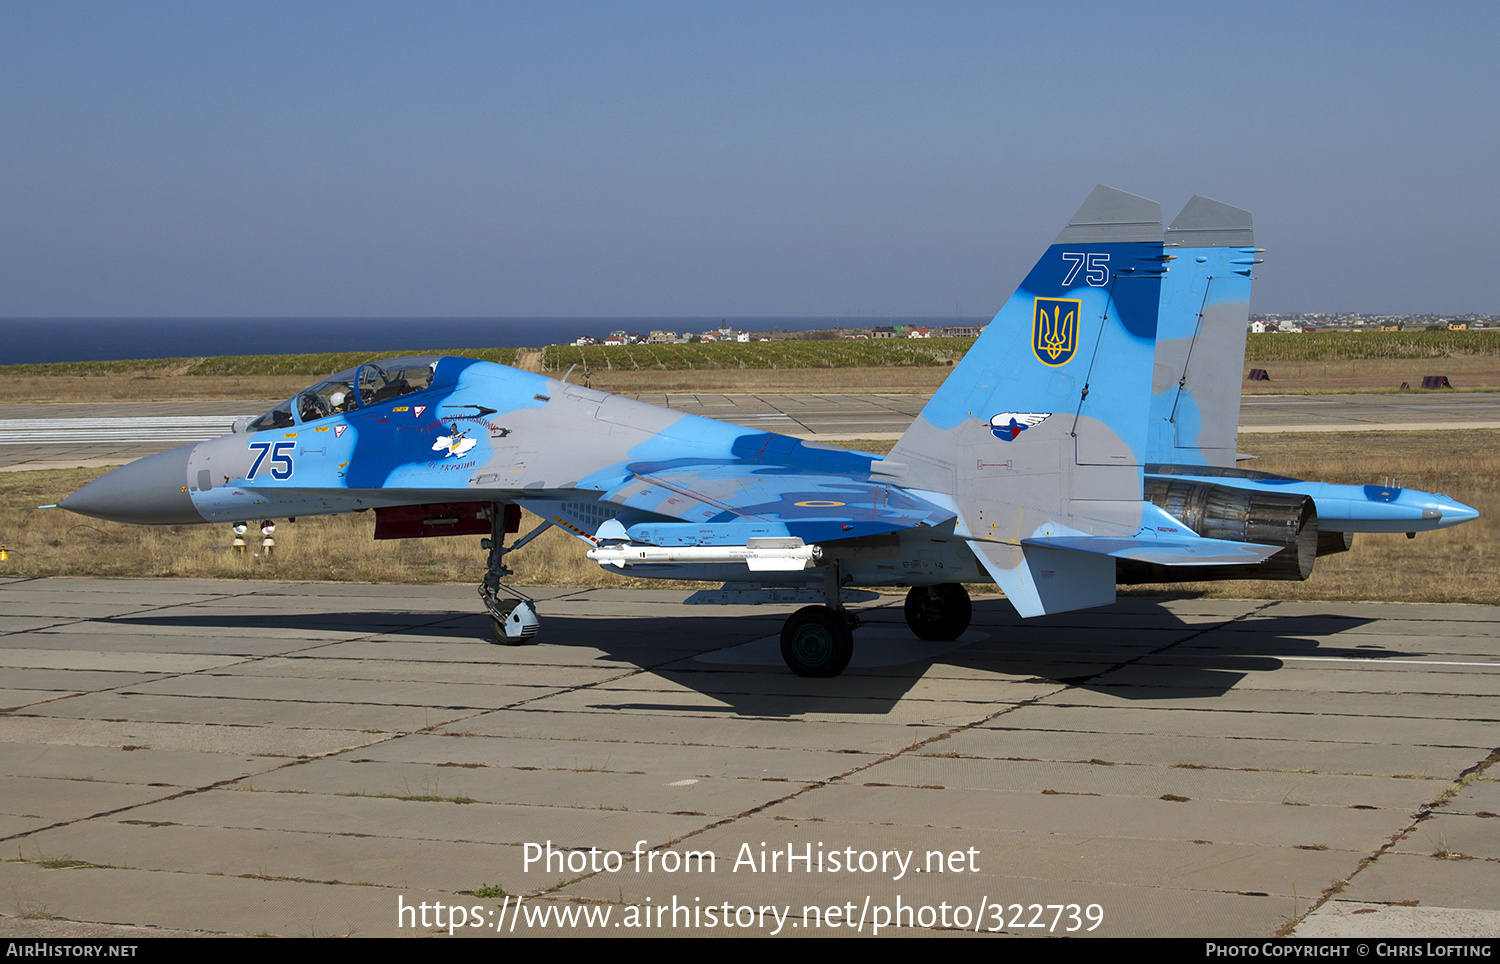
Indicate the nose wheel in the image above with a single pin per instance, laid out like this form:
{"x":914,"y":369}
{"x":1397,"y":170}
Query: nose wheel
{"x":513,"y":620}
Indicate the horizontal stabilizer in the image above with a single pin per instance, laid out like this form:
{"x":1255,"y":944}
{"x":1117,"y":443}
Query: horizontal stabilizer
{"x":1041,"y":579}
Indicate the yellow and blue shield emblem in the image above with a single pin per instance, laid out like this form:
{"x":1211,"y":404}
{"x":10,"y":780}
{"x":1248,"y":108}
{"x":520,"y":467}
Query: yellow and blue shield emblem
{"x":1054,"y":330}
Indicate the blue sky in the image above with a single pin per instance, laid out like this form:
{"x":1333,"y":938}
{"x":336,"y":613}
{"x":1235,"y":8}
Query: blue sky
{"x":732,"y":159}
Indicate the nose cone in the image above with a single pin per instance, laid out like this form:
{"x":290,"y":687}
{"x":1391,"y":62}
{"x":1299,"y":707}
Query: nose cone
{"x":1453,"y":511}
{"x":148,"y":491}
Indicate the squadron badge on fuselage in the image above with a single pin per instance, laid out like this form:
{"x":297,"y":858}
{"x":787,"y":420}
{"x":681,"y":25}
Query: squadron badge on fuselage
{"x":455,"y":443}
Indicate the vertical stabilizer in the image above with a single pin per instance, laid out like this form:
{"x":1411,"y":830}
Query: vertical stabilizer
{"x":1041,"y":430}
{"x":1200,"y":345}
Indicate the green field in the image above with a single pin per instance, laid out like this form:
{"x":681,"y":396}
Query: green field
{"x":1371,"y":345}
{"x":318,"y":364}
{"x":901,"y":352}
{"x":759,"y":354}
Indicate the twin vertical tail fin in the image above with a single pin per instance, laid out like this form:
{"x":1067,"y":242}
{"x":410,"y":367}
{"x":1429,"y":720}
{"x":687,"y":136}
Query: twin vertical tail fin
{"x":1039,"y":436}
{"x":1200,"y":344}
{"x":1067,"y":360}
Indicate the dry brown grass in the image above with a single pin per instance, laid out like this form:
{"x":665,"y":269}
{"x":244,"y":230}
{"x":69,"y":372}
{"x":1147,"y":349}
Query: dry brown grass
{"x":1452,"y":565}
{"x":24,"y":389}
{"x":842,"y":381}
{"x":152,"y":386}
{"x":53,"y":542}
{"x":1468,"y":373}
{"x":157,"y":387}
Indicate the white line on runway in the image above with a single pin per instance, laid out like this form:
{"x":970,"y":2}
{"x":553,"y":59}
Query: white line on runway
{"x":145,"y":428}
{"x":1170,"y":656}
{"x":1448,"y":426}
{"x":1369,"y":659}
{"x":1376,"y":660}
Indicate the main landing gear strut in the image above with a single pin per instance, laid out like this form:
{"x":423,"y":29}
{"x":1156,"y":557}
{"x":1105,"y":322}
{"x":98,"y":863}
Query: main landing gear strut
{"x":513,"y":620}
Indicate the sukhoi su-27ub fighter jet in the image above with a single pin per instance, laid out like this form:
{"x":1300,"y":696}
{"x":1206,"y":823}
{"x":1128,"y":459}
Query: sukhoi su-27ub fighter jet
{"x":1027,"y":467}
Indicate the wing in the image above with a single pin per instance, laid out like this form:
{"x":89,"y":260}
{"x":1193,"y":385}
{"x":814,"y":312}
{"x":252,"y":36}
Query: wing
{"x":714,"y":502}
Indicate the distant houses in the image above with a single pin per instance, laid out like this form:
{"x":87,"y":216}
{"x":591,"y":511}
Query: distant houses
{"x":727,"y":333}
{"x":1320,"y":321}
{"x":908,"y":331}
{"x":662,"y":336}
{"x":1315,"y":322}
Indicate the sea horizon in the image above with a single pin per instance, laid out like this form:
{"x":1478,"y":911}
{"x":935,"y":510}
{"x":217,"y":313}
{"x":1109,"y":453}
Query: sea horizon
{"x":46,"y":340}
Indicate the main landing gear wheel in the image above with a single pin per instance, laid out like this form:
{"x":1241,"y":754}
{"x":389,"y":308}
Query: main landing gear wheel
{"x":939,"y":613}
{"x":817,"y":642}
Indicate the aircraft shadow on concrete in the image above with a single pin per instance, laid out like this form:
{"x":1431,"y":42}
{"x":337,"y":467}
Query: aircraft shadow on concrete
{"x":1135,"y":649}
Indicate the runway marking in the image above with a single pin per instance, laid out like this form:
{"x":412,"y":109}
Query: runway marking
{"x":1388,"y":660}
{"x":1367,"y":659}
{"x":141,"y":428}
{"x":1448,"y":426}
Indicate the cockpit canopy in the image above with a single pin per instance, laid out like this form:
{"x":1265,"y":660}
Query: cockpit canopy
{"x":362,"y":387}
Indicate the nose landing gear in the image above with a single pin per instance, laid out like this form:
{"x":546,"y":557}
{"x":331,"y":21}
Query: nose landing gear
{"x":513,"y":618}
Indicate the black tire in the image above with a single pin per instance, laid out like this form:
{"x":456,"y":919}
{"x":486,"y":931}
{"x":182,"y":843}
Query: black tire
{"x":497,"y":632}
{"x":816,"y":642}
{"x":498,"y":637}
{"x":939,"y":613}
